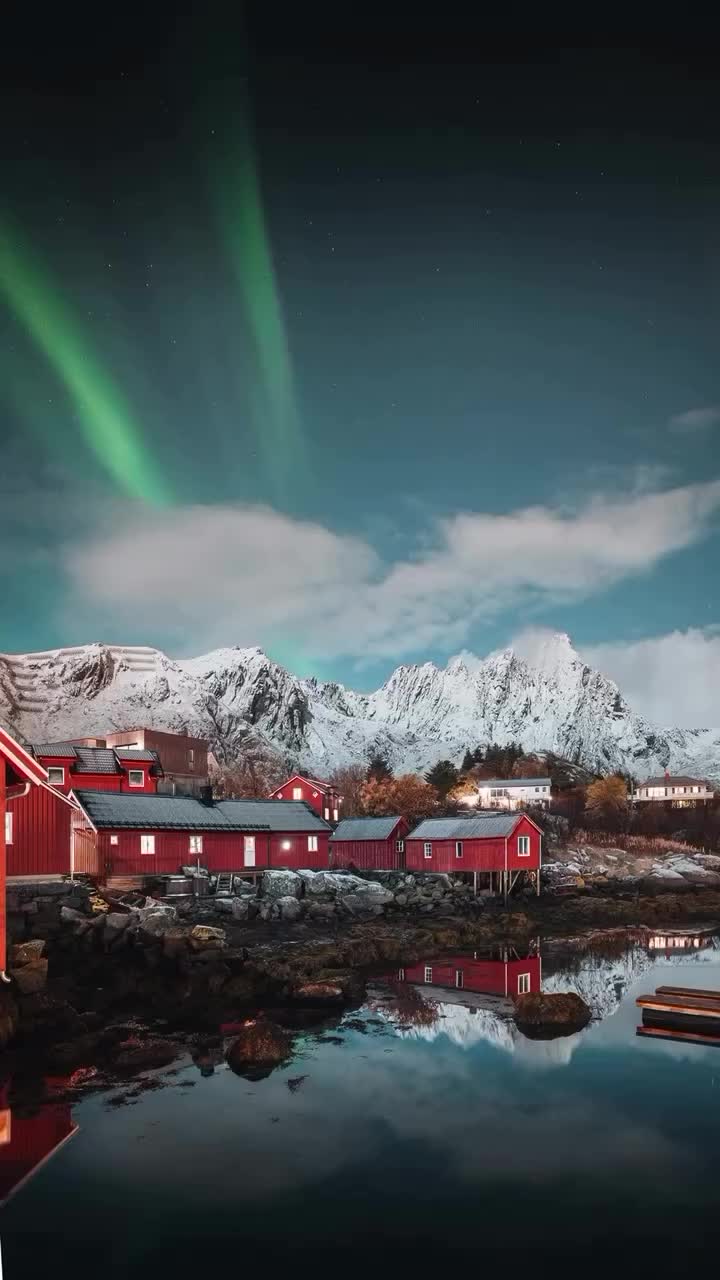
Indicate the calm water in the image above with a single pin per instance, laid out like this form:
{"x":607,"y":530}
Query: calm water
{"x":433,"y":1133}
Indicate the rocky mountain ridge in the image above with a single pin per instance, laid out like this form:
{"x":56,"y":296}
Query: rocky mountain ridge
{"x":240,"y":700}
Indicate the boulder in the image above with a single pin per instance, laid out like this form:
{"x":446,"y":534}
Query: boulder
{"x":245,"y":887}
{"x":69,"y":915}
{"x":321,"y":911}
{"x":154,"y":907}
{"x":280,"y":884}
{"x":175,"y":941}
{"x":544,"y":1015}
{"x":290,"y":908}
{"x":360,"y":904}
{"x":322,"y":991}
{"x":142,"y":1055}
{"x":204,"y":937}
{"x":260,"y":1046}
{"x":31,"y":977}
{"x":157,"y":923}
{"x":52,"y":888}
{"x":24,"y":952}
{"x":115,"y":924}
{"x":241,"y":908}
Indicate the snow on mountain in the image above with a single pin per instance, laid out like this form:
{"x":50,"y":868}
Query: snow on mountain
{"x":550,"y":701}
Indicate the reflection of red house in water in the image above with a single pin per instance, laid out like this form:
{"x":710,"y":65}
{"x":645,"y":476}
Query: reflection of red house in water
{"x":32,"y":1140}
{"x":502,"y":973}
{"x":674,"y":941}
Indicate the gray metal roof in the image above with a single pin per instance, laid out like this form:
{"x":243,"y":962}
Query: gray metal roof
{"x":365,"y":828}
{"x":95,"y":760}
{"x":500,"y":824}
{"x":113,"y":809}
{"x":514,"y":782}
{"x":136,"y":753}
{"x":60,"y":750}
{"x":673,"y":781}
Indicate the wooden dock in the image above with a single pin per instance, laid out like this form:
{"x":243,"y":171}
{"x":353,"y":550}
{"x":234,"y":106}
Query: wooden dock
{"x":687,"y":1014}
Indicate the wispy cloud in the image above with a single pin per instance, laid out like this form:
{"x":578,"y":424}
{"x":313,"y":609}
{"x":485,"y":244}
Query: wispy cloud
{"x":672,"y":679}
{"x":696,"y":419}
{"x":248,"y":575}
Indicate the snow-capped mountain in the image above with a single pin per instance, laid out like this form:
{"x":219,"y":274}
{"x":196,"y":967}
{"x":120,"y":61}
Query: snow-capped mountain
{"x":239,"y":697}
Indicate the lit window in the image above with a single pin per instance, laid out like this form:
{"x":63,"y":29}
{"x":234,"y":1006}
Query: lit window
{"x":147,"y":844}
{"x":297,"y":793}
{"x":399,"y":846}
{"x":335,"y":815}
{"x":428,"y":973}
{"x":312,"y":844}
{"x":459,"y":980}
{"x":458,"y":849}
{"x":401,"y":975}
{"x":196,"y":844}
{"x":8,"y":828}
{"x":327,"y":815}
{"x":114,"y":840}
{"x":523,"y":846}
{"x":428,"y":849}
{"x":56,"y":776}
{"x":523,"y":984}
{"x":136,"y":777}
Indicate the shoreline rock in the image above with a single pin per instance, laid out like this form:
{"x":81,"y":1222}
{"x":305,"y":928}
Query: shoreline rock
{"x":543,"y":1015}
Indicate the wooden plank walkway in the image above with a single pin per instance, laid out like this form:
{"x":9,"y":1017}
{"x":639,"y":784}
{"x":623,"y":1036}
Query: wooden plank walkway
{"x":671,"y":1033}
{"x":702,"y":1007}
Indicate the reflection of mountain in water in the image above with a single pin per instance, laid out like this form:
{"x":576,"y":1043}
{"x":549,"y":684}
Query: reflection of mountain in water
{"x":465,"y":1025}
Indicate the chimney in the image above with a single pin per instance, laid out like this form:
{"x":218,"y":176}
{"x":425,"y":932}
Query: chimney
{"x":205,"y":796}
{"x":667,"y":773}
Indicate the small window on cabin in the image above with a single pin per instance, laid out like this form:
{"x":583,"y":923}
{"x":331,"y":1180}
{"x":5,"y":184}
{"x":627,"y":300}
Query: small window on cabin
{"x":428,"y":973}
{"x":523,"y":846}
{"x":335,"y":815}
{"x":399,"y":846}
{"x":147,"y":844}
{"x":327,"y":815}
{"x":114,"y":840}
{"x":537,"y":788}
{"x":312,"y":844}
{"x":458,"y":849}
{"x":56,"y":776}
{"x":196,"y":844}
{"x":297,"y":793}
{"x":459,"y":979}
{"x":136,"y":777}
{"x":523,"y":984}
{"x":401,"y":975}
{"x":191,"y":757}
{"x":8,"y":828}
{"x":428,"y":849}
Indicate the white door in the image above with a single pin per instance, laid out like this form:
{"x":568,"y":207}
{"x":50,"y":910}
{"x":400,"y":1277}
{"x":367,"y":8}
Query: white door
{"x":249,"y":851}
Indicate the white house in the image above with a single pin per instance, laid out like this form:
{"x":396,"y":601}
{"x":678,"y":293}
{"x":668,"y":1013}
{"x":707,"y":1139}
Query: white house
{"x":680,"y":792}
{"x":513,"y":793}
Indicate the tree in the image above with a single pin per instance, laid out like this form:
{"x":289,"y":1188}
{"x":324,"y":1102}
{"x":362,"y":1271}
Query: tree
{"x":468,"y":761}
{"x":348,"y":783}
{"x":607,"y":800}
{"x":407,"y":795}
{"x":378,"y":767}
{"x":250,"y":777}
{"x":377,"y":797}
{"x":443,"y":776}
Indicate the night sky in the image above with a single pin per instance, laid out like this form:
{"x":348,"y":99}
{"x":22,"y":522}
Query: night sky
{"x":363,"y":344}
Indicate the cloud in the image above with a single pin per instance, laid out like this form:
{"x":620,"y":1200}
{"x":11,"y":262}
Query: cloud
{"x":696,"y":419}
{"x":672,"y":679}
{"x":249,"y":575}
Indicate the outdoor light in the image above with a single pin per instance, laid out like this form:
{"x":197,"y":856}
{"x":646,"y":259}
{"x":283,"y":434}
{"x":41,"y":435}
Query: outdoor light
{"x":286,"y":844}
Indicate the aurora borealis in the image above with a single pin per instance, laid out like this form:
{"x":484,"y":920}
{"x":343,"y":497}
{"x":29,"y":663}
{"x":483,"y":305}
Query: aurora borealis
{"x":343,"y":325}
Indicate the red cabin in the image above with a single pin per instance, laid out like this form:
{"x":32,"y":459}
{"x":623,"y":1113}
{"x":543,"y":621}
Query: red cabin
{"x":370,"y":844}
{"x":19,"y":773}
{"x":503,"y":974}
{"x":502,"y":847}
{"x":321,"y":796}
{"x":117,"y":835}
{"x":99,"y":768}
{"x":37,"y":833}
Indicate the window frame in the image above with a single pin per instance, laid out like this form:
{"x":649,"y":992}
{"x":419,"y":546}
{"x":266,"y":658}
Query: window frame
{"x":523,"y":984}
{"x":145,"y":839}
{"x":459,"y":979}
{"x":523,"y":846}
{"x":428,"y":973}
{"x":56,"y":768}
{"x":114,"y":840}
{"x":427,"y":849}
{"x":297,"y":793}
{"x":458,"y":848}
{"x":9,"y":827}
{"x":399,"y":846}
{"x":197,"y":840}
{"x":313,"y":845}
{"x":136,"y":772}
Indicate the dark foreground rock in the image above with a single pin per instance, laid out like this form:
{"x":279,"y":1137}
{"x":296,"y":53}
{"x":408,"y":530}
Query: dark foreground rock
{"x":260,"y":1046}
{"x":542,"y":1016}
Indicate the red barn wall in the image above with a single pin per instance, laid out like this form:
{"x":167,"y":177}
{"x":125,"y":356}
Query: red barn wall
{"x":222,"y":851}
{"x":316,"y":797}
{"x":32,"y":1140}
{"x":149,"y":781}
{"x":483,"y":977}
{"x":515,"y":862}
{"x":41,"y":834}
{"x":479,"y":854}
{"x":367,"y":855}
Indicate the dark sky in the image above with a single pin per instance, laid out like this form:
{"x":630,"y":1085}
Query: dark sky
{"x":460,"y":272}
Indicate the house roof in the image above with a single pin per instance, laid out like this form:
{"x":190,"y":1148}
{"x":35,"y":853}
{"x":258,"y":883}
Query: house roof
{"x":136,"y":753}
{"x":84,"y":759}
{"x":19,"y":761}
{"x":509,"y":783}
{"x":303,"y":777}
{"x":58,"y":750}
{"x":673,"y":781}
{"x":365,"y":828}
{"x":113,"y":809}
{"x":500,"y":824}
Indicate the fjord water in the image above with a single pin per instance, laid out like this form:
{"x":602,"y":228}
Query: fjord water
{"x":412,"y":1135}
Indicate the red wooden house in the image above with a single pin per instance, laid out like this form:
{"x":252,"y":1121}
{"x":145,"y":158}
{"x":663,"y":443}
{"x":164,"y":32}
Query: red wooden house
{"x":19,"y":773}
{"x":116,"y":835}
{"x":503,"y":848}
{"x":74,"y":765}
{"x":28,"y":1141}
{"x":370,"y":844}
{"x":501,"y":973}
{"x":37,"y":832}
{"x":321,"y":796}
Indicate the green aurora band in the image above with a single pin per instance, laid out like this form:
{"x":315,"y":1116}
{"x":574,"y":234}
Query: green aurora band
{"x":105,"y":419}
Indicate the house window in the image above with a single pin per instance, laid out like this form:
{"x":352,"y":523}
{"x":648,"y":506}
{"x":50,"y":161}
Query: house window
{"x":428,"y":973}
{"x":327,"y":815}
{"x":399,"y":846}
{"x":523,"y":984}
{"x":196,"y":844}
{"x":147,"y":844}
{"x":114,"y":840}
{"x":312,"y":844}
{"x":8,"y":828}
{"x":191,"y":758}
{"x":427,"y":850}
{"x":335,"y":815}
{"x":459,"y":980}
{"x":523,"y":846}
{"x":297,"y":793}
{"x":458,"y":848}
{"x":136,"y":777}
{"x":401,"y":975}
{"x":537,"y":788}
{"x":56,"y":776}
